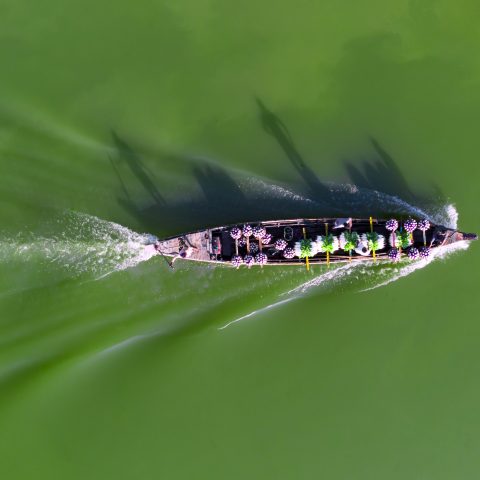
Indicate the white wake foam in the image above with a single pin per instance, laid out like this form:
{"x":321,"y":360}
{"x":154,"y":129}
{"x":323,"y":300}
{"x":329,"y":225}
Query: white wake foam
{"x":354,"y":199}
{"x":357,"y":275}
{"x":86,"y":244}
{"x":409,"y":267}
{"x":257,"y":185}
{"x":349,"y":199}
{"x":331,"y":277}
{"x":255,"y":312}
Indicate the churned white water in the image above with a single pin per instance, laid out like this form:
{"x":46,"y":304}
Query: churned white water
{"x":89,"y":245}
{"x":369,"y":276}
{"x":86,"y":244}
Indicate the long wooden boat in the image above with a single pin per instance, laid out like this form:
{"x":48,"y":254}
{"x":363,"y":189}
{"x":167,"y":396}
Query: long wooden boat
{"x":310,"y":241}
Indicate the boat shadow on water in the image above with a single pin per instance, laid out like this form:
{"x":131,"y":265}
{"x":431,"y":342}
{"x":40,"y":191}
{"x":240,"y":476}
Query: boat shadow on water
{"x":274,"y":126}
{"x":383,"y":174}
{"x":379,"y":172}
{"x":216,"y":196}
{"x":219,"y":197}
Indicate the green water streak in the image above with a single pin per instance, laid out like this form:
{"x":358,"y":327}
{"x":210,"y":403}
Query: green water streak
{"x":163,"y":117}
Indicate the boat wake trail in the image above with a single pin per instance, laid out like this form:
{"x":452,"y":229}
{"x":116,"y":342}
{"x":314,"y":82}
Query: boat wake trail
{"x":365,"y":277}
{"x":255,"y":312}
{"x":259,"y":188}
{"x":344,"y":199}
{"x":361,"y":277}
{"x":370,"y":277}
{"x":373,"y":276}
{"x":396,"y":272}
{"x":85,"y":245}
{"x":358,"y":201}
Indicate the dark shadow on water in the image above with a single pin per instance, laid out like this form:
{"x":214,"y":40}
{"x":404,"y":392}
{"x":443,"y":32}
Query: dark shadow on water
{"x":218,"y":186}
{"x":381,"y":173}
{"x":138,"y":169}
{"x":221,"y":198}
{"x":274,"y":126}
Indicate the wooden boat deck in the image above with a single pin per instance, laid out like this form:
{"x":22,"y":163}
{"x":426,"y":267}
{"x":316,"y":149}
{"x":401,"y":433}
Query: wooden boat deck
{"x":199,"y":241}
{"x":217,"y":246}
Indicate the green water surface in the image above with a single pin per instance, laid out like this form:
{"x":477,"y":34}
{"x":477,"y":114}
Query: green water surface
{"x":164,"y":117}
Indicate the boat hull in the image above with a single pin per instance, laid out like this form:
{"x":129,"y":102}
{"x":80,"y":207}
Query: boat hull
{"x":216,"y":245}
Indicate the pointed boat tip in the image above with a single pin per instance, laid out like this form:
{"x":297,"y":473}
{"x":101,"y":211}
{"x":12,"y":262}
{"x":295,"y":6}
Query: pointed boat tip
{"x":470,"y":236}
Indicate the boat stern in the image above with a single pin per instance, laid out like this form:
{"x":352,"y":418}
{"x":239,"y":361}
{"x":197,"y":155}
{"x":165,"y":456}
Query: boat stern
{"x":467,"y":236}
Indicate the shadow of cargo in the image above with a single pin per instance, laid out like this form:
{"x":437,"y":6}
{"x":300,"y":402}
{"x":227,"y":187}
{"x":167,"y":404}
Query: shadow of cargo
{"x":224,"y":198}
{"x":221,"y":199}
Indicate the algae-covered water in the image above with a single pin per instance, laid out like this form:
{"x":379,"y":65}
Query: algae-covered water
{"x":120,"y":120}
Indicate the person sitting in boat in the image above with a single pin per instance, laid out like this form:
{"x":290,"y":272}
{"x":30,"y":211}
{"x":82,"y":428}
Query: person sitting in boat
{"x":343,"y":223}
{"x":185,"y":250}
